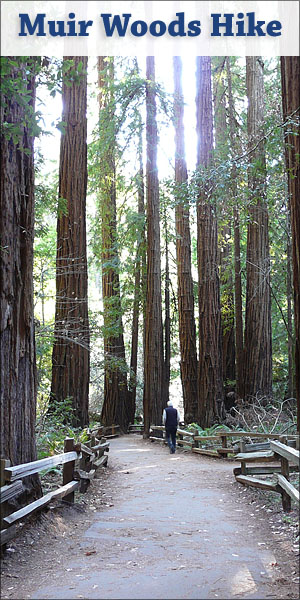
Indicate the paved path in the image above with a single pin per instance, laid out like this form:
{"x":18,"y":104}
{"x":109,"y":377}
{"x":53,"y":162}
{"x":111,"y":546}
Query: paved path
{"x":174,"y":530}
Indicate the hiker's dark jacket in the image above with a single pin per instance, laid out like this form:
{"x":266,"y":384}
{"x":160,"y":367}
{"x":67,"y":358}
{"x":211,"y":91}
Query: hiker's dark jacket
{"x":171,"y":421}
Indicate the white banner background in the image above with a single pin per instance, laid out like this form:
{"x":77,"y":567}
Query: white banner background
{"x":97,"y":43}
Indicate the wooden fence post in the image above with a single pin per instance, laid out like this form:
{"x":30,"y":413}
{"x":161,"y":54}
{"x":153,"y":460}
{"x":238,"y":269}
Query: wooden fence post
{"x":285,"y":471}
{"x":224,"y":444}
{"x":243,"y":463}
{"x":180,"y":436}
{"x":3,"y":507}
{"x":195,"y":445}
{"x":3,"y":464}
{"x":224,"y":441}
{"x":68,"y":468}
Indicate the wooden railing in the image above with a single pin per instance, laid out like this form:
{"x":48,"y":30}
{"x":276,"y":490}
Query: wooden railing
{"x":160,"y":437}
{"x":217,"y":445}
{"x":80,"y":462}
{"x":288,"y":458}
{"x":112,"y":431}
{"x":108,"y":432}
{"x":287,"y":455}
{"x":135,"y":428}
{"x":184,"y":438}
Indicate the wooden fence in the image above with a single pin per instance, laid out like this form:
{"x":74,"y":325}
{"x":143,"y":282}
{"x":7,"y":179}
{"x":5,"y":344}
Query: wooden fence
{"x":218,"y":445}
{"x":274,"y":448}
{"x":289,"y":462}
{"x":136,"y":428}
{"x":80,"y":462}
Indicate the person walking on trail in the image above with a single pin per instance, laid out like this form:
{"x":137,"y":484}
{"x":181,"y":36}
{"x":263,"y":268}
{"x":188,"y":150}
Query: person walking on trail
{"x":171,"y":420}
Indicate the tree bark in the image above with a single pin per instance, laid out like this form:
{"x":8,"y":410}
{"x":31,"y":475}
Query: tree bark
{"x":71,"y":358}
{"x":289,"y":296}
{"x":258,"y":332}
{"x":185,"y":294}
{"x":167,"y":324}
{"x":153,"y":355}
{"x":290,"y":74}
{"x":115,"y":406}
{"x":239,"y":345}
{"x":210,"y":381}
{"x":17,"y":348}
{"x":138,"y":285}
{"x":226,"y":280}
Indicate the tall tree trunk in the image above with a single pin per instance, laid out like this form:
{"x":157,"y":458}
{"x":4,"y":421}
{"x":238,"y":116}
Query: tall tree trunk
{"x":210,"y":381}
{"x":290,"y":75}
{"x":238,"y":301}
{"x":71,"y":358}
{"x":227,"y":309}
{"x":289,"y":294}
{"x":239,"y":345}
{"x":153,"y":355}
{"x":17,"y":348}
{"x":185,"y":294}
{"x":258,"y":332}
{"x":227,"y":296}
{"x":167,"y":333}
{"x":138,"y":291}
{"x":115,"y":406}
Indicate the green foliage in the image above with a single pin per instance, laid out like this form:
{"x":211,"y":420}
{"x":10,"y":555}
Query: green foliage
{"x":209,"y":430}
{"x":52,"y":429}
{"x":44,"y":277}
{"x":17,"y":74}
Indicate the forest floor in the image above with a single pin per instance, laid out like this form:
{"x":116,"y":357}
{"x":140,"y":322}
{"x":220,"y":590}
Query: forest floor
{"x":156,"y":525}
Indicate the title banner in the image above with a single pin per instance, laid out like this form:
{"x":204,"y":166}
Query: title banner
{"x":121,"y":28}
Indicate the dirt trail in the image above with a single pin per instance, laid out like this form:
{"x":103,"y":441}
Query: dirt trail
{"x":159,"y":526}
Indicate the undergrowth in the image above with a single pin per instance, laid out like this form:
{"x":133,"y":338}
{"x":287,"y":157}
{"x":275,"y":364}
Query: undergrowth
{"x":53,"y":427}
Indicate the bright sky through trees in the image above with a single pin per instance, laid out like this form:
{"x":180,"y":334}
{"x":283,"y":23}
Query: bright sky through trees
{"x":52,"y":107}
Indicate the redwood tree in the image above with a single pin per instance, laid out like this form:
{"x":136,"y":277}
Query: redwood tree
{"x":153,"y":353}
{"x":225,"y":251}
{"x":290,"y":75}
{"x":185,"y":295}
{"x":210,"y":383}
{"x":258,"y":332}
{"x":115,"y":406}
{"x":17,"y":347}
{"x":167,"y":320}
{"x":71,"y":359}
{"x":237,"y":244}
{"x":138,"y":283}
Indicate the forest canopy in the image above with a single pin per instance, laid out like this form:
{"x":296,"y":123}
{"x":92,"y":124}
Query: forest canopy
{"x":149,"y":241}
